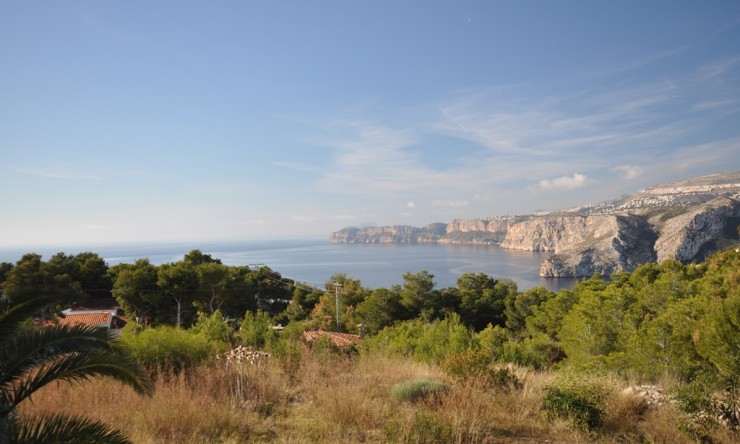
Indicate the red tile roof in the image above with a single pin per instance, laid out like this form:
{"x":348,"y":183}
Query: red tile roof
{"x":92,"y":319}
{"x":109,"y":319}
{"x":338,"y":339}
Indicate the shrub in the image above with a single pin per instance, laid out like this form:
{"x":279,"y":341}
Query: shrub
{"x":419,"y":390}
{"x":473,"y":366}
{"x":538,"y":352}
{"x":169,"y":349}
{"x":214,"y":327}
{"x":256,"y":330}
{"x":578,"y":398}
{"x":424,"y":341}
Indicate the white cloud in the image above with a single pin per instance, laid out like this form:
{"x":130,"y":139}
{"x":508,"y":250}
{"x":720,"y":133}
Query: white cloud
{"x":628,"y":171}
{"x":570,"y":182}
{"x":410,"y":205}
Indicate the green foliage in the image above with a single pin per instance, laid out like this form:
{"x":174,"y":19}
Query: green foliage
{"x":474,"y":366}
{"x":179,"y":282}
{"x":71,"y":279}
{"x":169,"y":349}
{"x":578,"y":398}
{"x":598,"y":324}
{"x":547,"y":317}
{"x":214,"y":328}
{"x":664,"y":345}
{"x":538,"y":351}
{"x":380,"y":309}
{"x":136,"y":289}
{"x":304,"y":300}
{"x":426,"y":428}
{"x":718,"y":339}
{"x":482,"y":299}
{"x":519,"y":306}
{"x":288,"y":348}
{"x":256,"y":330}
{"x":418,"y":390}
{"x":424,"y":341}
{"x":419,"y":297}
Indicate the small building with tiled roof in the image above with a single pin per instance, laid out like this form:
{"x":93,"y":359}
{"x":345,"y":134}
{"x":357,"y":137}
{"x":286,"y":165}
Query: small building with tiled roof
{"x":341,"y":340}
{"x":108,"y":319}
{"x":113,"y":320}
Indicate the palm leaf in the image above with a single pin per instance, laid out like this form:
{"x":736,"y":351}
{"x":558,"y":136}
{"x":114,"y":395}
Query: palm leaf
{"x":12,"y":318}
{"x":29,"y":348}
{"x":61,"y":429}
{"x":77,"y":367}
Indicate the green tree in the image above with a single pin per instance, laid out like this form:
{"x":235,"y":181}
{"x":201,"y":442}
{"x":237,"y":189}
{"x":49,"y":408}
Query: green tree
{"x":718,"y":339}
{"x":136,"y":290}
{"x":197,"y":257}
{"x":179,"y":282}
{"x":547,"y":317}
{"x":520,"y":306}
{"x":481,"y":300}
{"x":91,"y":272}
{"x":212,"y":279}
{"x":381,"y":309}
{"x":31,"y":358}
{"x":419,"y":297}
{"x":664,"y":344}
{"x":303,"y":302}
{"x":598,"y":324}
{"x":256,"y":329}
{"x":273,"y":293}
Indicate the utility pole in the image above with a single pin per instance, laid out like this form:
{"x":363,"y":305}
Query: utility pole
{"x":337,"y":286}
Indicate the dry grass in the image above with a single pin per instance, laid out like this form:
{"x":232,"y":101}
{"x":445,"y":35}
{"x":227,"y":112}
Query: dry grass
{"x":341,"y":399}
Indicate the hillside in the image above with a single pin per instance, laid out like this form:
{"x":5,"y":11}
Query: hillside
{"x":685,"y":220}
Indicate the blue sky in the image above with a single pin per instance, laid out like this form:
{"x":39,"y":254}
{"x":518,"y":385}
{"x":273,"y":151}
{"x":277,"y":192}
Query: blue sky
{"x":190,"y":120}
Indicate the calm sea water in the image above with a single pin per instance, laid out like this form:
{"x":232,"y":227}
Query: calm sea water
{"x":314,"y":262}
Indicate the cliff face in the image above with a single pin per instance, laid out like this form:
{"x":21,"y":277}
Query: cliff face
{"x":397,"y":234}
{"x":683,"y":237}
{"x":609,"y":245}
{"x":683,"y":220}
{"x":479,"y":231}
{"x":549,"y":233}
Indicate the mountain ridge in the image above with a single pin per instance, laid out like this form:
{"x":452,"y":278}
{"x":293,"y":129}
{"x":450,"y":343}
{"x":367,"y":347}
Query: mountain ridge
{"x":683,"y":220}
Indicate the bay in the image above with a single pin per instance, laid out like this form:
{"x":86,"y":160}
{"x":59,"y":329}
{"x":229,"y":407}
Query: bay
{"x":314,"y":261}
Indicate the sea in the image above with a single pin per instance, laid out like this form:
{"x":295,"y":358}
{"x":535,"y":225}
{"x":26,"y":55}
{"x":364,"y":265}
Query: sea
{"x":314,"y":262}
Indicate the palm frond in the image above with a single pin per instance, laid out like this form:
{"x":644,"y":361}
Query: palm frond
{"x":61,"y":429}
{"x":77,"y":367}
{"x":31,"y":348}
{"x":13,"y":317}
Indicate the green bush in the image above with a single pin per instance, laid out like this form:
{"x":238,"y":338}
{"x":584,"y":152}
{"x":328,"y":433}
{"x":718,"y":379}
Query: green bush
{"x":423,"y":341}
{"x":169,"y":349}
{"x":538,"y":352}
{"x":474,"y":366}
{"x":214,"y":327}
{"x":419,"y":390}
{"x":578,"y":398}
{"x":426,"y":428}
{"x":256,"y":330}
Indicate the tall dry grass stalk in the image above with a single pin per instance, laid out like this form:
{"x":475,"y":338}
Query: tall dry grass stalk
{"x":342,"y":399}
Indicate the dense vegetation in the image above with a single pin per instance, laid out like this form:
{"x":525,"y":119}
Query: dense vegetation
{"x":671,"y":324}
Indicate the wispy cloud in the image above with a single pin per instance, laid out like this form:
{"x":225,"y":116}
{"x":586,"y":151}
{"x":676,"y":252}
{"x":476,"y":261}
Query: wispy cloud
{"x":569,"y":182}
{"x":628,"y":172}
{"x":718,"y":68}
{"x":525,"y":144}
{"x":56,"y":173}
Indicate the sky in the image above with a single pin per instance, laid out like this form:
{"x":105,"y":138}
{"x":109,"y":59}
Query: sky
{"x":140,"y":121}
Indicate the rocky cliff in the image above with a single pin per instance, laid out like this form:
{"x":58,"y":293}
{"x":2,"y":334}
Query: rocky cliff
{"x":683,"y":220}
{"x":397,"y":234}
